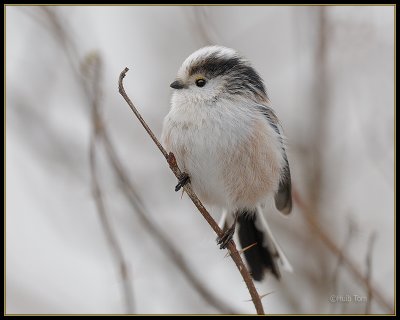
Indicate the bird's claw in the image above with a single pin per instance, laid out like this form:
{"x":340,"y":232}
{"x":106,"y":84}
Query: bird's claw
{"x":183,"y":180}
{"x":224,"y":240}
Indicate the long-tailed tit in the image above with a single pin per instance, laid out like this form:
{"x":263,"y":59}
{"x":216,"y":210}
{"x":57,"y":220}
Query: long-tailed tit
{"x":229,"y":142}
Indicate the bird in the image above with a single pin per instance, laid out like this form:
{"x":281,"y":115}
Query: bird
{"x":230,"y":146}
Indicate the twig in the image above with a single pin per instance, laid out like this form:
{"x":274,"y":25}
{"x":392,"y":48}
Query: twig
{"x":331,"y":245}
{"x":174,"y":167}
{"x":96,"y":189}
{"x":320,"y":108}
{"x":91,"y":90}
{"x":202,"y":25}
{"x":112,"y":241}
{"x":346,"y":244}
{"x":368,"y":262}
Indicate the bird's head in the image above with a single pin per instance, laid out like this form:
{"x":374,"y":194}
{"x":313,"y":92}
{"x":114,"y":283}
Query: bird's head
{"x":213,"y":73}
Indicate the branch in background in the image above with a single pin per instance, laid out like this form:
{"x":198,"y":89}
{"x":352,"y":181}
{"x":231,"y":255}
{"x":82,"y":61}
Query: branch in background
{"x":311,"y":219}
{"x":350,"y":233}
{"x":108,"y":231}
{"x":311,"y":209}
{"x":320,"y":110}
{"x":63,"y":37}
{"x":91,"y":89}
{"x":202,"y":24}
{"x":346,"y":243}
{"x":368,"y":262}
{"x":94,"y":66}
{"x":174,"y":168}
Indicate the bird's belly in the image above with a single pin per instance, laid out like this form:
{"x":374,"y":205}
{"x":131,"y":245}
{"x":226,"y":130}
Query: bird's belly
{"x":226,"y":170}
{"x":198,"y":156}
{"x":206,"y":180}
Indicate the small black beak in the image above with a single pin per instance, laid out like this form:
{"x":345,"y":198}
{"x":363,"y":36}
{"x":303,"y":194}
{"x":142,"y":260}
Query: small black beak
{"x":177,"y":85}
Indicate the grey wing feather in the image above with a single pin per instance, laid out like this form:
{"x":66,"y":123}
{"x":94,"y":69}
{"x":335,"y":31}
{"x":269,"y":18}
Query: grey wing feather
{"x":283,"y":197}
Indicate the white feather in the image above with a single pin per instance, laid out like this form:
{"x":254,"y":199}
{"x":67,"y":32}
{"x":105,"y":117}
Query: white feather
{"x":264,"y":224}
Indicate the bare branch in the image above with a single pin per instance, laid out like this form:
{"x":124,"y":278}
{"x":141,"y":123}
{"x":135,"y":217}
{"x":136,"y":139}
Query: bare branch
{"x":116,"y":250}
{"x":137,"y":114}
{"x":174,"y":167}
{"x":202,"y":25}
{"x":311,"y":219}
{"x":91,"y":89}
{"x":321,"y":109}
{"x":346,"y":244}
{"x":108,"y":231}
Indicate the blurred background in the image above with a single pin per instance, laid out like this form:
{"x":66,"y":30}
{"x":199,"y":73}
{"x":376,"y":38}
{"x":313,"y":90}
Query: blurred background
{"x":93,"y":224}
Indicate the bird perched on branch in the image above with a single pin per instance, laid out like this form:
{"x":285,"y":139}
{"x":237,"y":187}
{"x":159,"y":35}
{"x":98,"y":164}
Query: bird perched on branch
{"x":229,"y":143}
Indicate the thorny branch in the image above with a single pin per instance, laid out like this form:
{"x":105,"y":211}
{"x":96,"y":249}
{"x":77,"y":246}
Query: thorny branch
{"x":100,"y":134}
{"x":174,"y":168}
{"x":163,"y":241}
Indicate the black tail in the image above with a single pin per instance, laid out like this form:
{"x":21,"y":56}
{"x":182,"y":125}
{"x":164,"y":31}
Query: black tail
{"x":261,"y":257}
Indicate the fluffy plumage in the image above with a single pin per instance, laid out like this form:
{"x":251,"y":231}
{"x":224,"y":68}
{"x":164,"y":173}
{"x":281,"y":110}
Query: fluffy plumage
{"x":226,"y":137}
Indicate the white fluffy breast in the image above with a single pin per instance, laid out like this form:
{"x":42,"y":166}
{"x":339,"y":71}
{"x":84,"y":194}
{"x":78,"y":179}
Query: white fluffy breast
{"x":232,"y":155}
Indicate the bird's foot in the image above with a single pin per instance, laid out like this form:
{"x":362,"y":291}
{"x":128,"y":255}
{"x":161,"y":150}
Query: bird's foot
{"x":227,"y":236}
{"x":183,"y":180}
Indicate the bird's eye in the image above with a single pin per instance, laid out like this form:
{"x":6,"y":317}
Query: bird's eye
{"x":200,"y":82}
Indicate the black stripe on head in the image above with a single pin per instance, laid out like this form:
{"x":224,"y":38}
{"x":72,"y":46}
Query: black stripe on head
{"x":240,"y":77}
{"x":214,"y":65}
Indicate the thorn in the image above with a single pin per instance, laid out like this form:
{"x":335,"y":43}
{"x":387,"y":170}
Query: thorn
{"x":261,"y":296}
{"x":266,"y":294}
{"x":243,"y":250}
{"x":248,"y":247}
